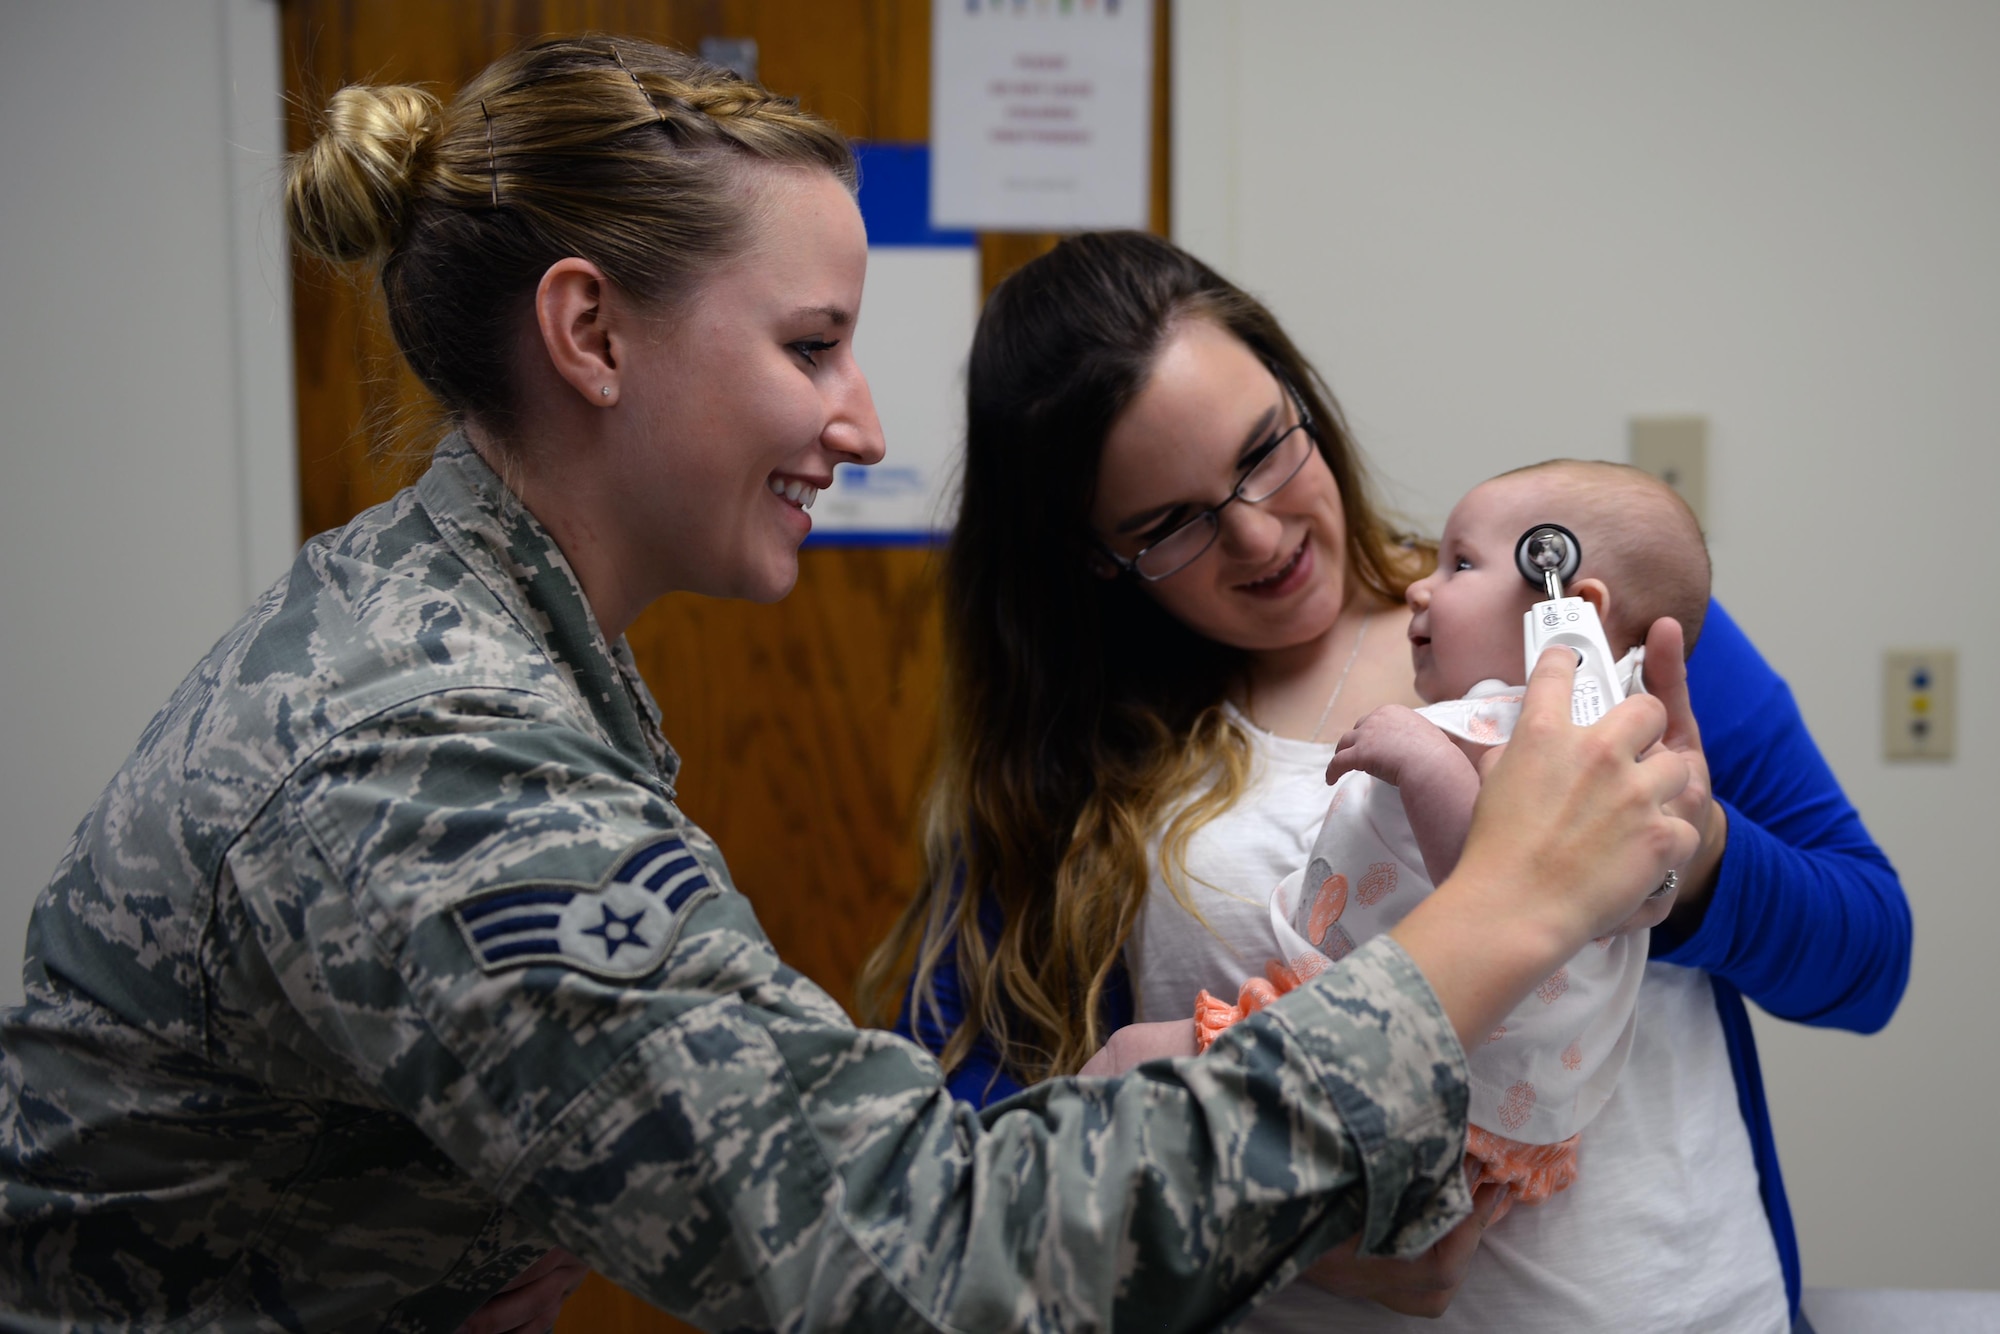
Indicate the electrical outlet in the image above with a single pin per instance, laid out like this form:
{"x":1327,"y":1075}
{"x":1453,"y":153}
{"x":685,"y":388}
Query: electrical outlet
{"x":1919,"y":703}
{"x":1675,"y":450}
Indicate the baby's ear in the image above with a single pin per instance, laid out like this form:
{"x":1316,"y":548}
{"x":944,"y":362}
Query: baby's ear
{"x":1598,"y":594}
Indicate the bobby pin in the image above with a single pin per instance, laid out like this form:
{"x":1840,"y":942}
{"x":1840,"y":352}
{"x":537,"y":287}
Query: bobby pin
{"x":492,"y":164}
{"x":619,"y":57}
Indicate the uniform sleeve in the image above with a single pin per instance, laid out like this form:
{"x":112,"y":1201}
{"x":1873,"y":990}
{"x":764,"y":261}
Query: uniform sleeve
{"x":716,"y":1135}
{"x":1808,"y":917}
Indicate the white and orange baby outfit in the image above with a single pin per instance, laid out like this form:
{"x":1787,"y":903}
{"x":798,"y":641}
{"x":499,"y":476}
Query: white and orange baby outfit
{"x":1539,"y":1077}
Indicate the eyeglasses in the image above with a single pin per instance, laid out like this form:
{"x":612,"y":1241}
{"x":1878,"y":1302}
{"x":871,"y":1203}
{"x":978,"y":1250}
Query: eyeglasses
{"x":1265,"y":472}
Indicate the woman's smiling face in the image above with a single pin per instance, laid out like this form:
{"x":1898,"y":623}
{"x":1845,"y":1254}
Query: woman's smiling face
{"x":1276,"y":574}
{"x":750,"y":396}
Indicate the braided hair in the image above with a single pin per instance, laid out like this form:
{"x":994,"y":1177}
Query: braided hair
{"x":618,"y":151}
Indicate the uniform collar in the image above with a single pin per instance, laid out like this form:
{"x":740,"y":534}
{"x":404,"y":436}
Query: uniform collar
{"x":507,"y":549}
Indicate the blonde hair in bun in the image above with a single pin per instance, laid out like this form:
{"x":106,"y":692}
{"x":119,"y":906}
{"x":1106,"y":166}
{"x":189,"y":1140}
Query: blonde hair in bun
{"x":348,"y":195}
{"x":621,"y":152}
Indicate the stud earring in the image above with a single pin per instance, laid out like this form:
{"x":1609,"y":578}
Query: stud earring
{"x":604,"y":390}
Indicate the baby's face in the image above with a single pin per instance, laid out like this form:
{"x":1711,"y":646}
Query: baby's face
{"x":1466,"y":621}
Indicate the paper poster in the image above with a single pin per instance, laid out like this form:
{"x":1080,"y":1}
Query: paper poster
{"x":917,"y":315}
{"x":1041,"y":113}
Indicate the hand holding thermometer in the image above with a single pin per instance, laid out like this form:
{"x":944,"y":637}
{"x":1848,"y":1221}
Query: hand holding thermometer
{"x":1548,"y":555}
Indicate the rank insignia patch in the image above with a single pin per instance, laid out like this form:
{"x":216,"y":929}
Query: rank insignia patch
{"x":620,"y":929}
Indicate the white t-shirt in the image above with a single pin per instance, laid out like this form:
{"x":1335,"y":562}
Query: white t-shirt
{"x":1232,"y":862}
{"x":1663,"y":1229}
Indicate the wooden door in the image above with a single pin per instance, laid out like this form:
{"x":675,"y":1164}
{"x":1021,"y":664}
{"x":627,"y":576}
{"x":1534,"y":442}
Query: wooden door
{"x":805,"y":728}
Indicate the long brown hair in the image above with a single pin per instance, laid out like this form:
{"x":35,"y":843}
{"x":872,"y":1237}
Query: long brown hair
{"x":1076,"y":712}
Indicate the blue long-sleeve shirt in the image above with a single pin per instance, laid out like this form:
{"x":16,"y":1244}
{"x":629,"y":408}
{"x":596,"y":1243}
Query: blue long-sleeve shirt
{"x":1808,"y":918}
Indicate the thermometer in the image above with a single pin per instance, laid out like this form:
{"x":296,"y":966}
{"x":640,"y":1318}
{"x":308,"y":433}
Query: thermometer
{"x":1549,"y":555}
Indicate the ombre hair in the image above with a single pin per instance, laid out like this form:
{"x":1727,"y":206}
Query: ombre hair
{"x":1080,"y":721}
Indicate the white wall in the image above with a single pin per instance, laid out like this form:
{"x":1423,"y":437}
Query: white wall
{"x":1501,"y":230}
{"x":146,"y":436}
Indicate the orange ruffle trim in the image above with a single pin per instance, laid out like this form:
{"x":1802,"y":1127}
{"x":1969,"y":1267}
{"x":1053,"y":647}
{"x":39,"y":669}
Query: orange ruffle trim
{"x":1212,"y":1015}
{"x":1530,"y":1172}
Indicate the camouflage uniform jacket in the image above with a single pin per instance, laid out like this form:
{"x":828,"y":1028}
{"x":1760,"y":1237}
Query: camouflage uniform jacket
{"x":387,"y":959}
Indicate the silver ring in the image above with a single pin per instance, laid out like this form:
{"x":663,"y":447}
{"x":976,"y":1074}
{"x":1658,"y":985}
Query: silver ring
{"x":1667,"y":886}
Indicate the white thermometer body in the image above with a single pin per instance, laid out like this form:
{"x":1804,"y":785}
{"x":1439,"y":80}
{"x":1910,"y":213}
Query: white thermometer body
{"x":1573,"y":623}
{"x":1548,"y":555}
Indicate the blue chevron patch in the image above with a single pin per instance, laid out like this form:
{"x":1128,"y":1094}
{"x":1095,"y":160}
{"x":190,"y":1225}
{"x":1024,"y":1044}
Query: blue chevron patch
{"x":619,"y":929}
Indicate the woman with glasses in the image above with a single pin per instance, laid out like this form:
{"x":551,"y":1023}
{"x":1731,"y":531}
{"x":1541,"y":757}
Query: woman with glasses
{"x":1169,"y":593}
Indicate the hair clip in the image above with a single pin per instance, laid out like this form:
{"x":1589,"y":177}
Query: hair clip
{"x":492,"y":163}
{"x":657,"y":111}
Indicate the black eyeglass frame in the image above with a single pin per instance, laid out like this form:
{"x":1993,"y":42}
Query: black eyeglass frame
{"x":1212,"y":516}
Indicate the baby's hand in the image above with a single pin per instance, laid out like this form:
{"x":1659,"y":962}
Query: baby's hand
{"x":1391,"y":743}
{"x":1437,"y":781}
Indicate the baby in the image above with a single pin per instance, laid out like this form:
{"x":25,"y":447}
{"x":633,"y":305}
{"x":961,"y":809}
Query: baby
{"x":1398,"y":817}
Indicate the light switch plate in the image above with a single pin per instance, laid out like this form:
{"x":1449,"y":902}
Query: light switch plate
{"x":1675,"y":450}
{"x":1919,"y":703}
